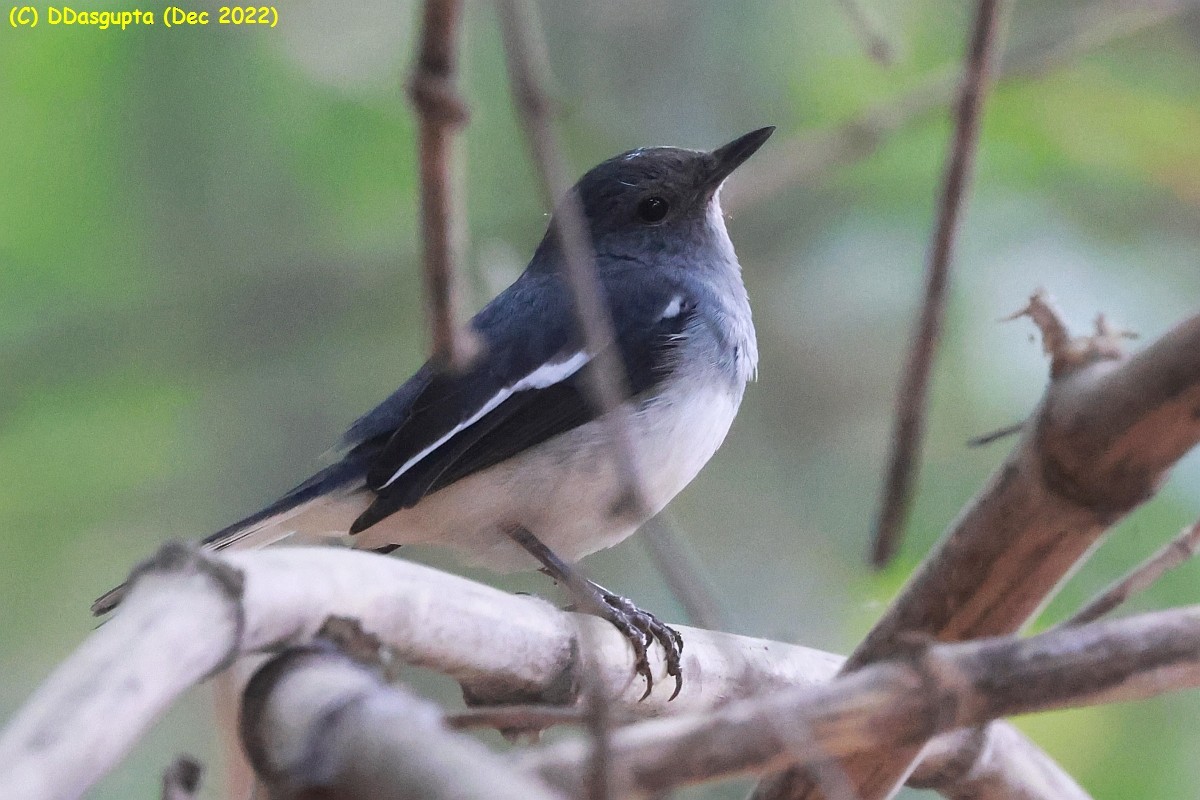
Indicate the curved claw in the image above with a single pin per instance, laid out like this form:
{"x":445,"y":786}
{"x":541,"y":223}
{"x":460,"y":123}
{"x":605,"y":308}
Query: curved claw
{"x":624,"y":617}
{"x":642,"y":628}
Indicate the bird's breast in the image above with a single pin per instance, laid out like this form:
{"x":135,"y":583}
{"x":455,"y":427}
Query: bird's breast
{"x":677,"y":432}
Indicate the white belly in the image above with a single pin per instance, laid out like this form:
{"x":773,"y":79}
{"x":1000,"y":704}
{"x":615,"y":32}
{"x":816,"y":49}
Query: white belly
{"x":566,"y":490}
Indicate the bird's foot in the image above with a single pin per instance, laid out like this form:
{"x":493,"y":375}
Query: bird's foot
{"x":643,"y":629}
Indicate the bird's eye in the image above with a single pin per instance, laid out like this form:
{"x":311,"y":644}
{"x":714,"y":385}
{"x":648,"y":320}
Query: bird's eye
{"x":652,"y":209}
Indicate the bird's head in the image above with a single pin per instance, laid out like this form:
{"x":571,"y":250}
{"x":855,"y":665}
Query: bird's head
{"x":659,"y":201}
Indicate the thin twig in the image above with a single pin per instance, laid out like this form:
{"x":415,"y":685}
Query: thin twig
{"x":1095,"y":26}
{"x":181,"y":780}
{"x":812,"y":154}
{"x":606,"y":380}
{"x":913,"y":399}
{"x":878,"y":45}
{"x":598,"y":721}
{"x":684,"y":574}
{"x":520,"y":718}
{"x":1141,"y":577}
{"x":442,"y":114}
{"x":996,"y":435}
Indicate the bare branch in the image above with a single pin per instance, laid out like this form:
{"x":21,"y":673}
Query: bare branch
{"x":1068,"y":353}
{"x":913,"y":398}
{"x":686,"y":577}
{"x":1107,"y":431}
{"x":996,"y":435}
{"x":878,"y":45}
{"x":1141,"y":577}
{"x":315,"y":719}
{"x":1105,"y":434}
{"x":518,"y":719}
{"x":606,"y":381}
{"x":598,"y":722}
{"x":187,"y":615}
{"x":994,"y":762}
{"x":814,"y":153}
{"x":898,"y":704}
{"x":503,"y":648}
{"x":442,"y":112}
{"x":183,"y":623}
{"x":1096,"y":26}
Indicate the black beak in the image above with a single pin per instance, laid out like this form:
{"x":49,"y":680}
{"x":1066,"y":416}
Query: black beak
{"x":728,"y":157}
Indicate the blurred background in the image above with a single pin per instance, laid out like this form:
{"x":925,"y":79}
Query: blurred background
{"x":209,"y":267}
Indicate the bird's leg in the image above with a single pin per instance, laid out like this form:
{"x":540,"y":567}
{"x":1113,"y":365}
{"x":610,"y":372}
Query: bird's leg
{"x":640,"y":627}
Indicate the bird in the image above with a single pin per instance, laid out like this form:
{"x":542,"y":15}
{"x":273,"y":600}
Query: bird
{"x":509,"y":461}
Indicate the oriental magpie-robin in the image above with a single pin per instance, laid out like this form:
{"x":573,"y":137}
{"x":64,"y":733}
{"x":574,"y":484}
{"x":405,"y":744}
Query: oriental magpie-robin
{"x":507,"y":461}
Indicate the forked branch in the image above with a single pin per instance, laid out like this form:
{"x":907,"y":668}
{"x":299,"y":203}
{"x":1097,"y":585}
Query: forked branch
{"x":1108,"y":429}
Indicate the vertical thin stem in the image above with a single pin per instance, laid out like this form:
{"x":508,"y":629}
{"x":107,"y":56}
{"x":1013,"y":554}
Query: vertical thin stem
{"x":598,"y":718}
{"x":913,"y":398}
{"x":689,"y":583}
{"x":878,"y":45}
{"x":442,"y":114}
{"x":605,"y":377}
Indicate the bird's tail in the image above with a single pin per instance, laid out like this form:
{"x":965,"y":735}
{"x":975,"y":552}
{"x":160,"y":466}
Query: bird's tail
{"x":324,"y":505}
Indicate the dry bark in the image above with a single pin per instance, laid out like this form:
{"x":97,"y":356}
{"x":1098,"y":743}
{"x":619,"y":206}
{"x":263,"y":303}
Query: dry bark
{"x":1106,"y":433}
{"x":191,"y":614}
{"x":318,"y":722}
{"x":912,"y":400}
{"x":441,"y":113}
{"x":899,"y":704}
{"x":188,"y":615}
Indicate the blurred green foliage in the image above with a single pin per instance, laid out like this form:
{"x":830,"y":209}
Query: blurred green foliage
{"x":208,"y":268}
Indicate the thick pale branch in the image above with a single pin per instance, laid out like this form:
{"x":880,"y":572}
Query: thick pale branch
{"x":193,"y":613}
{"x":315,"y":721}
{"x":183,"y":623}
{"x":899,"y":704}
